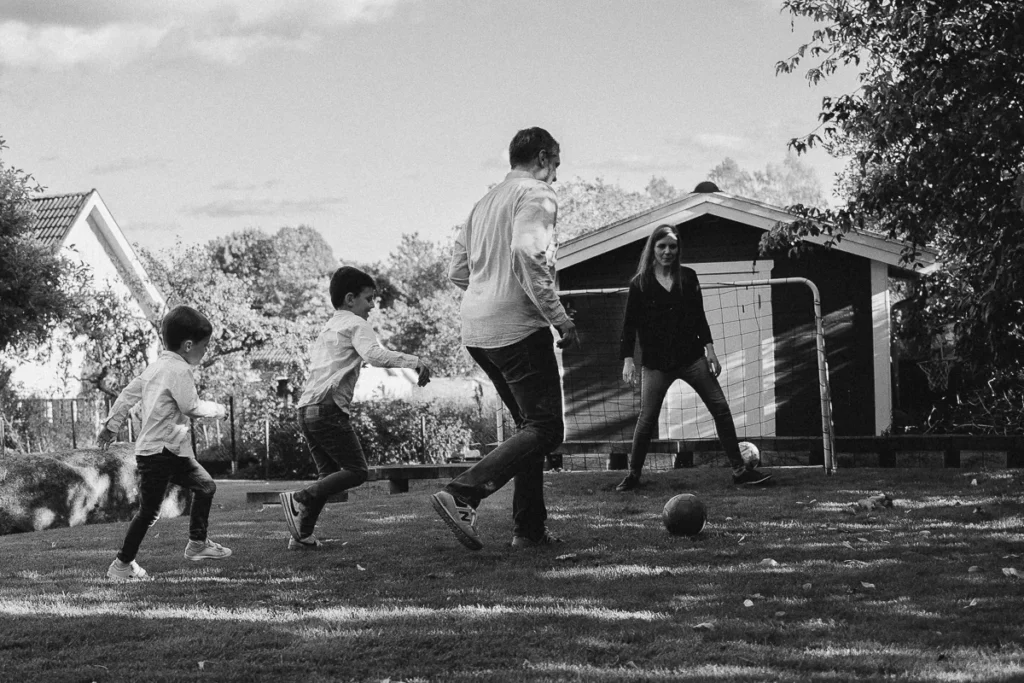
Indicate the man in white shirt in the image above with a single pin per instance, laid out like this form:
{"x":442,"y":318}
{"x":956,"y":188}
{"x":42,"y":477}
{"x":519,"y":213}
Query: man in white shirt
{"x":503,"y":259}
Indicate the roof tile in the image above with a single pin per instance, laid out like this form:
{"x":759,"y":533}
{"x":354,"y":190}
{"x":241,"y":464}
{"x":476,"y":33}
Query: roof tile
{"x":56,"y":215}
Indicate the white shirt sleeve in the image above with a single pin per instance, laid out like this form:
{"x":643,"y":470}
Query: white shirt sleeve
{"x":183,"y":391}
{"x":126,"y":400}
{"x":458,"y":268}
{"x":364,"y":339}
{"x":533,"y":251}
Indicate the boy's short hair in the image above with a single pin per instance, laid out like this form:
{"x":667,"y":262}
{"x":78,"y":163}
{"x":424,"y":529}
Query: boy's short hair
{"x":184,"y":323}
{"x":527,"y":145}
{"x":348,"y":280}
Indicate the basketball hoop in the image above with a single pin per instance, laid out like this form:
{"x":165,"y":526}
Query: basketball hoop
{"x":937,"y":371}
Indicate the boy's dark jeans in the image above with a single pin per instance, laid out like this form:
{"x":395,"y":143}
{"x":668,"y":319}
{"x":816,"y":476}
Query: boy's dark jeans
{"x":525,"y":375}
{"x":656,"y":384}
{"x":156,"y":473}
{"x":340,"y":463}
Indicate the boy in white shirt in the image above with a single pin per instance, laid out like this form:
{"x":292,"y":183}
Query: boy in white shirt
{"x":337,"y":355}
{"x":166,"y":392}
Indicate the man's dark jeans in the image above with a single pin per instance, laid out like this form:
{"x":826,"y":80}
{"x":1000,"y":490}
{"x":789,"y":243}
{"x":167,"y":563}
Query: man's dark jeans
{"x":656,"y":384}
{"x":156,"y":473}
{"x":526,"y":377}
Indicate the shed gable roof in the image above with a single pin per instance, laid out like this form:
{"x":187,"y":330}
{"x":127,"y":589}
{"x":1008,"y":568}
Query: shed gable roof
{"x":739,"y":209}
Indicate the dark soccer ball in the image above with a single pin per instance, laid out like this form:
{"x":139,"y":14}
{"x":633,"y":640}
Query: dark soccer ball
{"x":684,"y":515}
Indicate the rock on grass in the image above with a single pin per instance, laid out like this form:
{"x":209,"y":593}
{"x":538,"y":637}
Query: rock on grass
{"x":69,"y":488}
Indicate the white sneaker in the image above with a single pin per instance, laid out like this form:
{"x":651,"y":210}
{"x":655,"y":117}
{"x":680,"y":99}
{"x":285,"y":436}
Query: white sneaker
{"x":125,"y":572}
{"x":206,"y":550}
{"x":294,"y":511}
{"x":310,"y":542}
{"x":460,"y":518}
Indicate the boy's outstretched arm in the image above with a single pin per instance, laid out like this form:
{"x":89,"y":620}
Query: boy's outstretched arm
{"x":126,"y":400}
{"x":184,"y":393}
{"x":364,"y":339}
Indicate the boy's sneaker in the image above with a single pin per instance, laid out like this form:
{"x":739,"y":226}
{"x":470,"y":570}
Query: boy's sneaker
{"x":750,"y":478}
{"x":310,"y":542}
{"x":294,"y":512}
{"x":206,"y":550}
{"x":119,"y":571}
{"x":546,"y":539}
{"x":459,"y":517}
{"x":631,"y":482}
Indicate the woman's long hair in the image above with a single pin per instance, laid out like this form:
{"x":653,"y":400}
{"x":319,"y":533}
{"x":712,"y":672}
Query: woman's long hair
{"x":645,"y":269}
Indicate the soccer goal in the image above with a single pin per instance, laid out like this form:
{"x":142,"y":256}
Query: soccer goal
{"x":769,"y":338}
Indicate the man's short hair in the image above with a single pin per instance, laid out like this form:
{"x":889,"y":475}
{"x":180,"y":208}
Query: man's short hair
{"x":182,"y":324}
{"x":527,"y":145}
{"x":348,"y":280}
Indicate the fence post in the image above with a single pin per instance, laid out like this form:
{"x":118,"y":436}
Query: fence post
{"x":74,"y":437}
{"x":266,"y":457}
{"x":499,"y":423}
{"x":423,"y":438}
{"x":234,"y":453}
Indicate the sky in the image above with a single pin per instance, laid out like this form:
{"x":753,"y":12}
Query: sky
{"x":369,"y":119}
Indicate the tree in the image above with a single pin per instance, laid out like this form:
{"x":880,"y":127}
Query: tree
{"x":419,"y":311}
{"x":787,"y":184}
{"x":39,"y":288}
{"x":586,"y":205}
{"x":936,"y":136}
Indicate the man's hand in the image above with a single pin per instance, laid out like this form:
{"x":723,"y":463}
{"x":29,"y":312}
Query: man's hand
{"x":104,"y":438}
{"x":569,"y":338}
{"x":423,"y":372}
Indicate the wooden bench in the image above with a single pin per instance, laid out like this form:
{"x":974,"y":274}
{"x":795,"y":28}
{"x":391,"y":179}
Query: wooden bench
{"x":398,"y":477}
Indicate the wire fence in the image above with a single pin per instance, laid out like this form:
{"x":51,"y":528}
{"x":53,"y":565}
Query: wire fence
{"x":265,"y":437}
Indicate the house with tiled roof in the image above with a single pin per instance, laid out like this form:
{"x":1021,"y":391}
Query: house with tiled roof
{"x":83,"y":228}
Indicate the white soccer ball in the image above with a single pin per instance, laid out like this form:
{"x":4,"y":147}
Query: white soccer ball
{"x":751,"y":456}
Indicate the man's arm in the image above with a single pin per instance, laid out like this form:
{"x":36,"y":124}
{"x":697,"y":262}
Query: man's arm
{"x":458,"y":268}
{"x":532,"y":252}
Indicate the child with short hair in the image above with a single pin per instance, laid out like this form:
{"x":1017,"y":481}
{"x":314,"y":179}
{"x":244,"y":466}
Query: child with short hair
{"x":337,"y":355}
{"x":166,"y":392}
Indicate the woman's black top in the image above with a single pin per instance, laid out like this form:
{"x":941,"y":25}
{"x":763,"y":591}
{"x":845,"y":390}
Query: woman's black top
{"x":672,"y":326}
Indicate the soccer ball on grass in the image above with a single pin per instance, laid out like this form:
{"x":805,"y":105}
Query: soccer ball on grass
{"x":684,"y":515}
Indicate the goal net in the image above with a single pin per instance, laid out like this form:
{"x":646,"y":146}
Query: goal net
{"x":769,"y":338}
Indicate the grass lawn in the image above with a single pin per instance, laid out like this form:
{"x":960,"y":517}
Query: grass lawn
{"x":783,"y":584}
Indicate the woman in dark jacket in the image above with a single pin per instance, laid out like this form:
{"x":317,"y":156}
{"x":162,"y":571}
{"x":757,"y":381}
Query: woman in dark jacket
{"x":666,"y":310}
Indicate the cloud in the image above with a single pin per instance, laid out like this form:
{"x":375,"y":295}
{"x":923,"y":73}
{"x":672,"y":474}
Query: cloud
{"x":55,"y":34}
{"x":233,"y":208}
{"x":235,"y":186}
{"x":129,"y":164}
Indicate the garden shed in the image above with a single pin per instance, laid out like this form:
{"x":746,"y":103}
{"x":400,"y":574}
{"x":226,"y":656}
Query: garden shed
{"x":764,"y":335}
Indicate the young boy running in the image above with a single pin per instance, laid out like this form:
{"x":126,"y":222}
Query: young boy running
{"x":345,"y":342}
{"x":163,"y":451}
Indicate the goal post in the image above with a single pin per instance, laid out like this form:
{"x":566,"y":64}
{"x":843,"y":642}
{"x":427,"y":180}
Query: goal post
{"x":770,"y":343}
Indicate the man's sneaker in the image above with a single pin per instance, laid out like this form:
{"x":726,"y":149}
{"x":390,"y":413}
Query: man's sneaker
{"x":750,"y":478}
{"x":546,"y":539}
{"x":206,"y":550}
{"x":460,"y":518}
{"x":631,"y":482}
{"x":294,"y":511}
{"x":119,"y":571}
{"x":310,"y":542}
